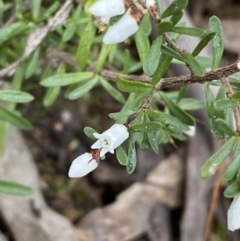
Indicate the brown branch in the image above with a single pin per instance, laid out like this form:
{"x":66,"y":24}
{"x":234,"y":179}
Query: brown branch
{"x":229,"y":92}
{"x":164,"y":83}
{"x":178,"y":81}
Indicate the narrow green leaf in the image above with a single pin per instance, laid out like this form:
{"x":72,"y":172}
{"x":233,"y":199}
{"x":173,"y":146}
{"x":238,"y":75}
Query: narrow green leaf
{"x":84,"y":46}
{"x":53,"y":92}
{"x":173,"y":130}
{"x":14,"y":119}
{"x":143,"y":142}
{"x":172,"y":53}
{"x":121,"y":156}
{"x":66,"y":79}
{"x":229,"y":118}
{"x":175,"y":7}
{"x":132,"y":86}
{"x":105,"y":50}
{"x":191,"y":104}
{"x":203,"y":43}
{"x":68,"y":34}
{"x":177,"y":111}
{"x":13,"y":30}
{"x":221,"y":114}
{"x":126,"y":107}
{"x":78,"y":90}
{"x":164,"y":27}
{"x":152,"y":59}
{"x":146,"y":127}
{"x":218,"y":43}
{"x":36,"y":7}
{"x":153,"y":142}
{"x":224,"y":127}
{"x":122,"y":114}
{"x":142,"y":44}
{"x":176,"y":36}
{"x":51,"y":96}
{"x":232,"y":169}
{"x":19,"y":9}
{"x":223,"y":104}
{"x":195,"y":66}
{"x":232,"y":189}
{"x":235,"y":85}
{"x":182,"y":92}
{"x":112,"y":91}
{"x":126,"y":61}
{"x":2,"y":5}
{"x":15,"y":96}
{"x":132,"y":159}
{"x":205,"y":62}
{"x":235,"y":95}
{"x":15,"y":188}
{"x":50,"y":10}
{"x":4,"y":126}
{"x":89,"y":132}
{"x":163,"y":137}
{"x":235,"y":76}
{"x":163,"y":65}
{"x":139,"y":99}
{"x":209,"y":100}
{"x":196,"y":32}
{"x":32,"y":64}
{"x":212,"y":164}
{"x":176,"y":18}
{"x":146,"y":25}
{"x":151,"y":138}
{"x":167,"y":120}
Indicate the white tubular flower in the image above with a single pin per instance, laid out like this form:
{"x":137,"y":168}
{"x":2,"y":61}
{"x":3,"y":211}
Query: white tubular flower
{"x":110,"y":139}
{"x":234,"y":214}
{"x":107,"y":9}
{"x":124,"y":28}
{"x":82,"y":165}
{"x":191,"y":131}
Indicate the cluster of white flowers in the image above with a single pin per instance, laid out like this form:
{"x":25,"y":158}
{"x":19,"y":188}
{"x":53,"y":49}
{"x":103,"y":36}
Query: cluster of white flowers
{"x":128,"y":23}
{"x":107,"y":142}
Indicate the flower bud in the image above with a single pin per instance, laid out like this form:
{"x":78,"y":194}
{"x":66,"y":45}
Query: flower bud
{"x":82,"y":165}
{"x":234,"y":214}
{"x":110,"y":139}
{"x":124,"y":28}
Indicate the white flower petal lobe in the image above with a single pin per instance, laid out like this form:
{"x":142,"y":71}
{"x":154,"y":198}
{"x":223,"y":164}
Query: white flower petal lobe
{"x":111,"y":139}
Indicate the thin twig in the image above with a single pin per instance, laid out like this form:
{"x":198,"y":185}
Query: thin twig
{"x":177,"y":48}
{"x":164,"y":83}
{"x":229,"y":92}
{"x":177,"y":81}
{"x":173,"y":45}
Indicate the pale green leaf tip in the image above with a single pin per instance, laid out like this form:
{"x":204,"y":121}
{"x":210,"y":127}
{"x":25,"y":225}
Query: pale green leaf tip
{"x":206,"y":172}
